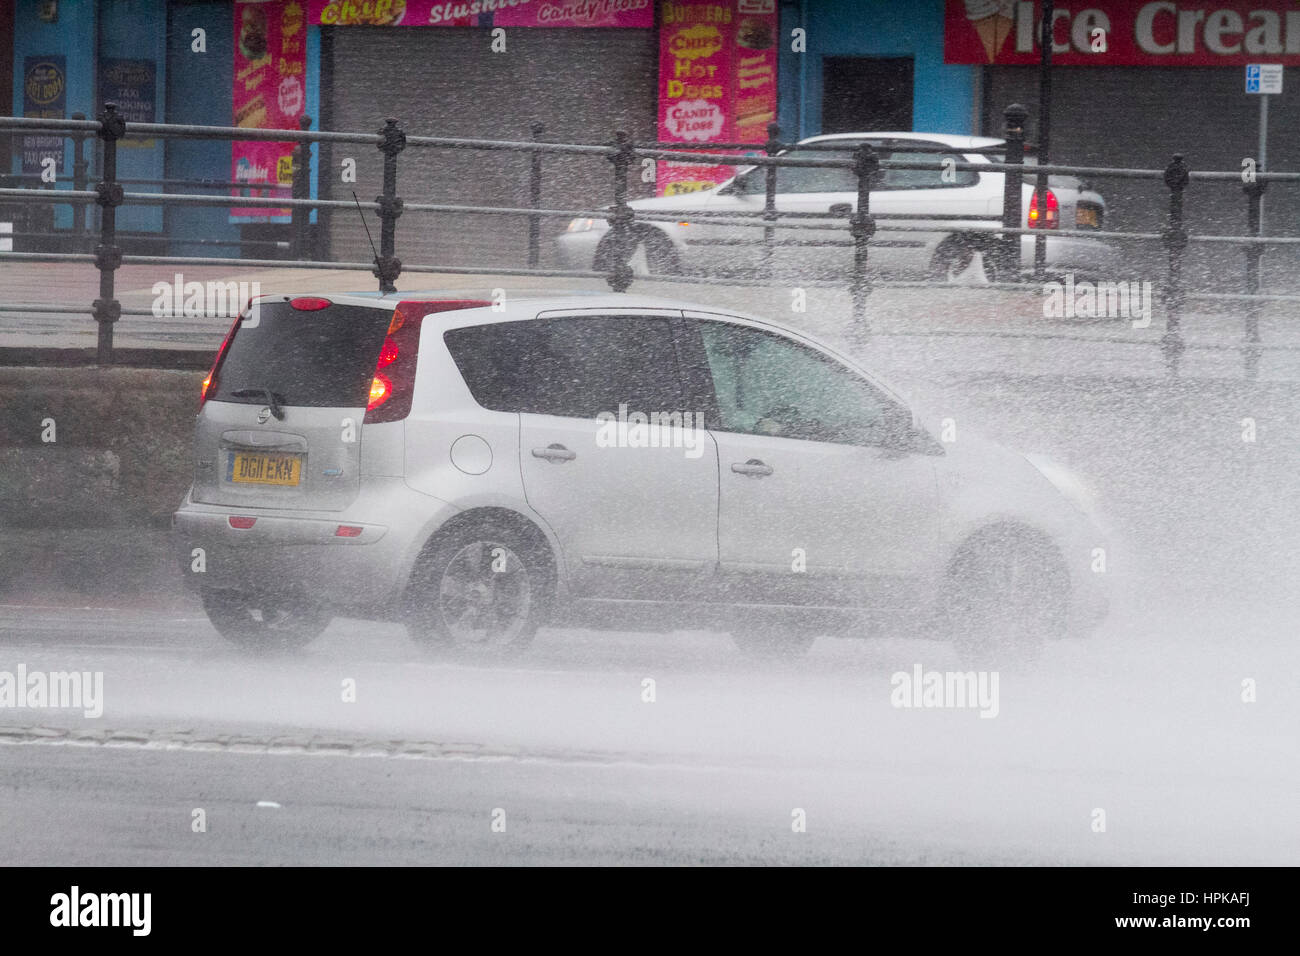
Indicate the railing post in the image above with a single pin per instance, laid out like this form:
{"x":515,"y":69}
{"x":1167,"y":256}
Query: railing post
{"x":535,"y":199}
{"x":108,"y":257}
{"x":80,"y":167}
{"x":1175,"y":238}
{"x":866,"y":165}
{"x":299,"y":244}
{"x":1012,"y":213}
{"x":771,"y":148}
{"x":388,"y":267}
{"x":620,"y":219}
{"x":1254,"y":281}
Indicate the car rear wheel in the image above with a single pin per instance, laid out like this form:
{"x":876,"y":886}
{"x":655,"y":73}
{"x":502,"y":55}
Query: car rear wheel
{"x":479,"y":588}
{"x":264,"y":622}
{"x":1009,"y":594}
{"x":962,"y":261}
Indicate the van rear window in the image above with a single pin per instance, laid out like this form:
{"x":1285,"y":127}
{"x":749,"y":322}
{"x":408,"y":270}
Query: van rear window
{"x":316,"y":359}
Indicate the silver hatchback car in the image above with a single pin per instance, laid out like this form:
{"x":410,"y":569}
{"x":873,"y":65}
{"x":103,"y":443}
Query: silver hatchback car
{"x":605,"y":460}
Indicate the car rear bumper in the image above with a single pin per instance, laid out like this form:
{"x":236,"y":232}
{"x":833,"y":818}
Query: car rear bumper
{"x":304,"y":553}
{"x":1090,"y":257}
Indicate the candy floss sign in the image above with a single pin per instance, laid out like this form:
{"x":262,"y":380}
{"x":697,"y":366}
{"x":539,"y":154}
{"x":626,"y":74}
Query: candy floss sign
{"x":717,"y":82}
{"x":270,"y":64}
{"x":468,"y":13}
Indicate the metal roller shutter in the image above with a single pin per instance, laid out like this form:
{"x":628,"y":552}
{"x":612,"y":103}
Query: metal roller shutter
{"x":1136,"y":117}
{"x":581,"y":83}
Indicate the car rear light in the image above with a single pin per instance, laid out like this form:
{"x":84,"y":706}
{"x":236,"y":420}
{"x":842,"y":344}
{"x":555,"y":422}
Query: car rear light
{"x":306,"y":303}
{"x":393,"y":385}
{"x":1052,"y":219}
{"x":388,"y":352}
{"x":242,"y":522}
{"x":348,"y":531}
{"x":216,"y":363}
{"x":381,"y":390}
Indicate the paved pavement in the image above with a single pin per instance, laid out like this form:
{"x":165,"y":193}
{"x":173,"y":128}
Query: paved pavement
{"x":970,"y":327}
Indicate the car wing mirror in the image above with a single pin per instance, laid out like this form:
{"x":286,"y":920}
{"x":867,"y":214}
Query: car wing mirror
{"x":901,"y":435}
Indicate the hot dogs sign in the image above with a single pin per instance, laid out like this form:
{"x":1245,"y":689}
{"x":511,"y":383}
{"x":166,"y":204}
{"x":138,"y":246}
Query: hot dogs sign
{"x":717,"y":81}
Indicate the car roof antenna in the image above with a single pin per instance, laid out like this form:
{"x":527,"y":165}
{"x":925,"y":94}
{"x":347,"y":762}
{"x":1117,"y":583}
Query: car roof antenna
{"x":367,"y":228}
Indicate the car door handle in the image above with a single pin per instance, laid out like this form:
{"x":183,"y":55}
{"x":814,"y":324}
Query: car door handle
{"x":753,"y":468}
{"x":555,"y":453}
{"x":841,"y":209}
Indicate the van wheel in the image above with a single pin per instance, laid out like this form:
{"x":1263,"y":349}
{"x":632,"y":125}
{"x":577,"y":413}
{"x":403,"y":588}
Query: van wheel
{"x":479,"y":588}
{"x":1009,"y":595}
{"x":264,"y":622}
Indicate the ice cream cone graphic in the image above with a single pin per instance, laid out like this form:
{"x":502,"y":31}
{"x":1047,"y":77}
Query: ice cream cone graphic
{"x":993,"y":21}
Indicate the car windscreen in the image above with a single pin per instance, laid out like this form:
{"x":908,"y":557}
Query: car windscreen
{"x":322,"y":358}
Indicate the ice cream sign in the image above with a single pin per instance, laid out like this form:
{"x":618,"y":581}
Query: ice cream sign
{"x":1124,"y":32}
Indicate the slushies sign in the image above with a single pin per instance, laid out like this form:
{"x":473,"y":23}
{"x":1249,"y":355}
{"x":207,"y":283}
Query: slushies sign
{"x":503,"y":13}
{"x":1124,"y":32}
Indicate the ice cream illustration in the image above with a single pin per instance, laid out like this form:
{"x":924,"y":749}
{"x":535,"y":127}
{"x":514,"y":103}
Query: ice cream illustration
{"x":993,"y":20}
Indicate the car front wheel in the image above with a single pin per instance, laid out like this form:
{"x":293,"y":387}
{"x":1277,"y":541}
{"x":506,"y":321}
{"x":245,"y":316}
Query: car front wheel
{"x":1008,"y":596}
{"x":652,"y":254}
{"x":479,"y":588}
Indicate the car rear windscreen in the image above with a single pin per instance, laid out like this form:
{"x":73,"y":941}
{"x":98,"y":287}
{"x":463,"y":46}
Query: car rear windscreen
{"x":324,"y":358}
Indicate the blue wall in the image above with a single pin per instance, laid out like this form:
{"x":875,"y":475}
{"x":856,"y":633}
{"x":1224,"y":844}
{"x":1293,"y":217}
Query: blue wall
{"x":943,"y":96}
{"x":200,"y":94}
{"x":136,"y":30}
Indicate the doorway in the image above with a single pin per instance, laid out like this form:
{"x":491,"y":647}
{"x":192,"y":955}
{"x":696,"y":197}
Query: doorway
{"x":866,"y":94}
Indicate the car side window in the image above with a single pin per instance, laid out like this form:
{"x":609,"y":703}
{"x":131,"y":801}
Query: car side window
{"x":802,"y":179}
{"x":767,"y":384}
{"x":799,"y":179}
{"x":574,"y":367}
{"x":925,"y":178}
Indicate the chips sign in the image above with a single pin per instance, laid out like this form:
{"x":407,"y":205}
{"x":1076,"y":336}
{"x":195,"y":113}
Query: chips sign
{"x":1124,"y":32}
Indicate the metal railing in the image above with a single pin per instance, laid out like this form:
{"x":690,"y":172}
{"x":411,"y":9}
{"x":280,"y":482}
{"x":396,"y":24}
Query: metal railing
{"x":998,"y":235}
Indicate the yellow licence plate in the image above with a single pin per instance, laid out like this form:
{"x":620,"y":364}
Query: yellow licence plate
{"x":1085,"y":216}
{"x":259,"y":469}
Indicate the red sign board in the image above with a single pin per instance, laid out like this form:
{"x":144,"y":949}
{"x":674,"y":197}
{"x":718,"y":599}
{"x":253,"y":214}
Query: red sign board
{"x":1125,"y":32}
{"x":717,"y":81}
{"x":269,"y":93}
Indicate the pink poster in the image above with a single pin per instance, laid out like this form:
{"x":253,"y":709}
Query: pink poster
{"x":500,"y":13}
{"x":717,"y":81}
{"x":269,"y":93}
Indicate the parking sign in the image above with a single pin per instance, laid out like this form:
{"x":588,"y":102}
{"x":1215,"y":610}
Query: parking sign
{"x":1264,"y":78}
